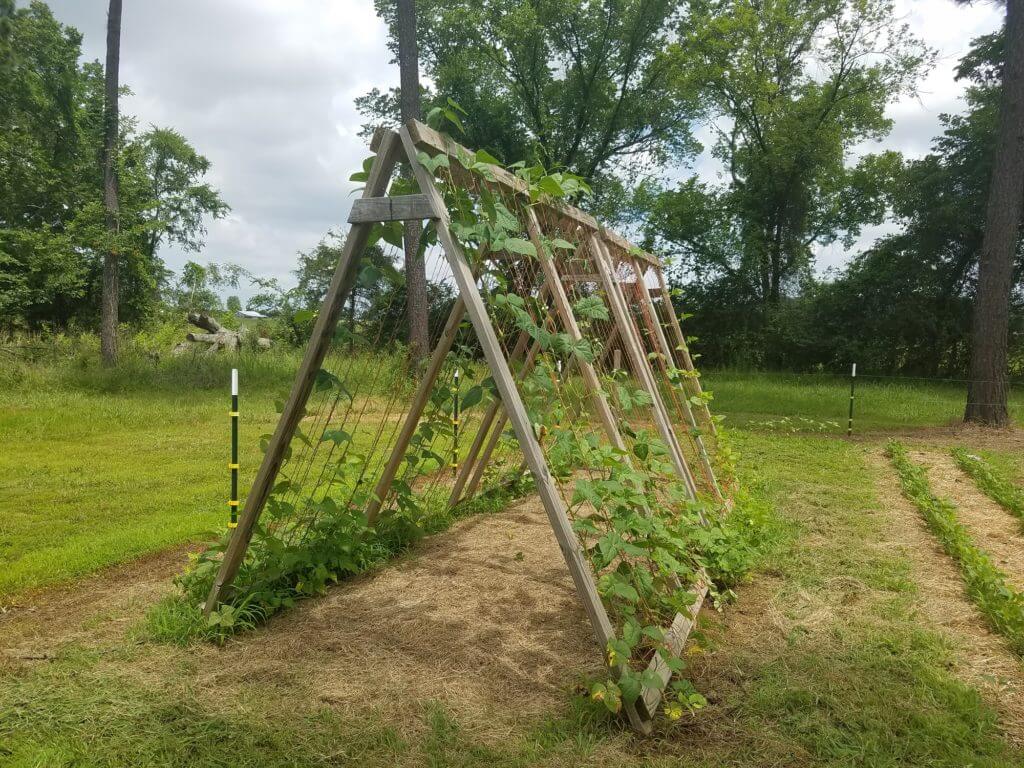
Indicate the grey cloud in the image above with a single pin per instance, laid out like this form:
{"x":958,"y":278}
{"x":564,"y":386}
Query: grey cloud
{"x":264,"y":88}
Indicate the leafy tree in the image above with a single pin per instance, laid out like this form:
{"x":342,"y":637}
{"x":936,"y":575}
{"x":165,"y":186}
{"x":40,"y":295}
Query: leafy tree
{"x":903,"y":305}
{"x":6,"y":32}
{"x":906,"y":302}
{"x":53,"y":233}
{"x":580,"y":84}
{"x":172,"y":171}
{"x":987,"y":391}
{"x":792,"y":86}
{"x":377,"y":273}
{"x":233,"y":304}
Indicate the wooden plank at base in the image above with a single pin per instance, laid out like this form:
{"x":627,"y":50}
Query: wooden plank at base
{"x":398,"y":208}
{"x":675,"y":639}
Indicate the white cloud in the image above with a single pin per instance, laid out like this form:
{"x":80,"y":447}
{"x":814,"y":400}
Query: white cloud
{"x":265,"y":90}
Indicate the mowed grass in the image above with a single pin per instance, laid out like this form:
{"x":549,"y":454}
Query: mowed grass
{"x":101,"y":467}
{"x":879,"y":403}
{"x":89,"y":479}
{"x":831,"y":666}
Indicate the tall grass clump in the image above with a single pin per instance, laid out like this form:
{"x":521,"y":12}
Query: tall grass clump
{"x":1002,"y":605}
{"x":72,"y":363}
{"x":991,"y":482}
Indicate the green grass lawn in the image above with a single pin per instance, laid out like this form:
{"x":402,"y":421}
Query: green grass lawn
{"x":750,"y":398}
{"x":834,"y":666}
{"x":100,"y":466}
{"x":90,"y":479}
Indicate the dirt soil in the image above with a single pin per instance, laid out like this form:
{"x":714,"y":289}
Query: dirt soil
{"x":483,"y":618}
{"x":98,"y":607}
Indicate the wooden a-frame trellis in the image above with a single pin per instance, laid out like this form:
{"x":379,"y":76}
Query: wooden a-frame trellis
{"x":633,"y":306}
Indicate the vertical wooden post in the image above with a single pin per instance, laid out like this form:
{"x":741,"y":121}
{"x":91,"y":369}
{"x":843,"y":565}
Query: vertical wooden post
{"x":388,"y":148}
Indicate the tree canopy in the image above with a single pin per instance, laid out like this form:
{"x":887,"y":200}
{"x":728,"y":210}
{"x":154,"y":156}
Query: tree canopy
{"x":52,"y":233}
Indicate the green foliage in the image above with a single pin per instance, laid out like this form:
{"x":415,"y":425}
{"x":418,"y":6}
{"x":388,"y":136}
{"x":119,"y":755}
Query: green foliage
{"x":999,"y":602}
{"x":991,"y":481}
{"x":784,"y":130}
{"x":647,"y":541}
{"x":902,"y":305}
{"x":52,"y":229}
{"x":584,"y":86}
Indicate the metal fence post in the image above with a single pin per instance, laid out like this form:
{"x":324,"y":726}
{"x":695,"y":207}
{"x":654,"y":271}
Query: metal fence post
{"x":853,"y":379}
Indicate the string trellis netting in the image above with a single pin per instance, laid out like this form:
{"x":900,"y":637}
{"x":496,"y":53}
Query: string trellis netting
{"x":573,"y":370}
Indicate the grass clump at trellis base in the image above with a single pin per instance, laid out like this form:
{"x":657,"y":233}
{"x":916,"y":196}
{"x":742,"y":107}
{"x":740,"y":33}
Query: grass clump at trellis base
{"x":1002,"y":605}
{"x":991,"y":481}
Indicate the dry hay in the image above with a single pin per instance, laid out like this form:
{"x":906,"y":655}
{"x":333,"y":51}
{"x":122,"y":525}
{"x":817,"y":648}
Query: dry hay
{"x":102,"y":606}
{"x":982,"y":659}
{"x":483,"y":619}
{"x":993,"y":529}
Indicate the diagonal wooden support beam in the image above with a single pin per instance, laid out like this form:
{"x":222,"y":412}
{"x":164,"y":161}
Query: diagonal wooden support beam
{"x":416,"y":407}
{"x":495,"y":435}
{"x":469,"y":463}
{"x":664,"y":357}
{"x":682,"y":351}
{"x":389,"y":148}
{"x":572,"y":327}
{"x":558,"y":517}
{"x":641,"y":367}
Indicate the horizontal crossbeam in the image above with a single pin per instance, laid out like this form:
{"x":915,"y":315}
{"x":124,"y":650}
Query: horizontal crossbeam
{"x":369,"y":210}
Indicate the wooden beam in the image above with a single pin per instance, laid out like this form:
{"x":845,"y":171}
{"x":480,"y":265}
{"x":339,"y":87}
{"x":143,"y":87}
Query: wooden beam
{"x":389,"y":147}
{"x":665,"y":356}
{"x":416,"y":407}
{"x":682,"y":351}
{"x":558,"y":517}
{"x":564,"y":309}
{"x":466,"y":471}
{"x":675,"y":640}
{"x":641,"y":367}
{"x":399,"y":208}
{"x":425,"y":137}
{"x":499,"y":427}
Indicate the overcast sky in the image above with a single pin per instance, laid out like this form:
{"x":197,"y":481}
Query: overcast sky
{"x":264,"y":89}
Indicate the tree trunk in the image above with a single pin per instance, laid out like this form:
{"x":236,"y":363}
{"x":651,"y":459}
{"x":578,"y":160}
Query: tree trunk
{"x":108,"y":310}
{"x":415,"y":266}
{"x":987,"y":390}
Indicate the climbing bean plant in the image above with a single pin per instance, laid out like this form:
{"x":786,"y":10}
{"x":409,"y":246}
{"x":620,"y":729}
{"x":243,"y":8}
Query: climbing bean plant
{"x":649,"y":544}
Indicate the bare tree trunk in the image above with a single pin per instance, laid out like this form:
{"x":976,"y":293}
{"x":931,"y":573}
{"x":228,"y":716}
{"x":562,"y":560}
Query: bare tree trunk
{"x":987,"y":390}
{"x":415,"y":267}
{"x":108,"y":310}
